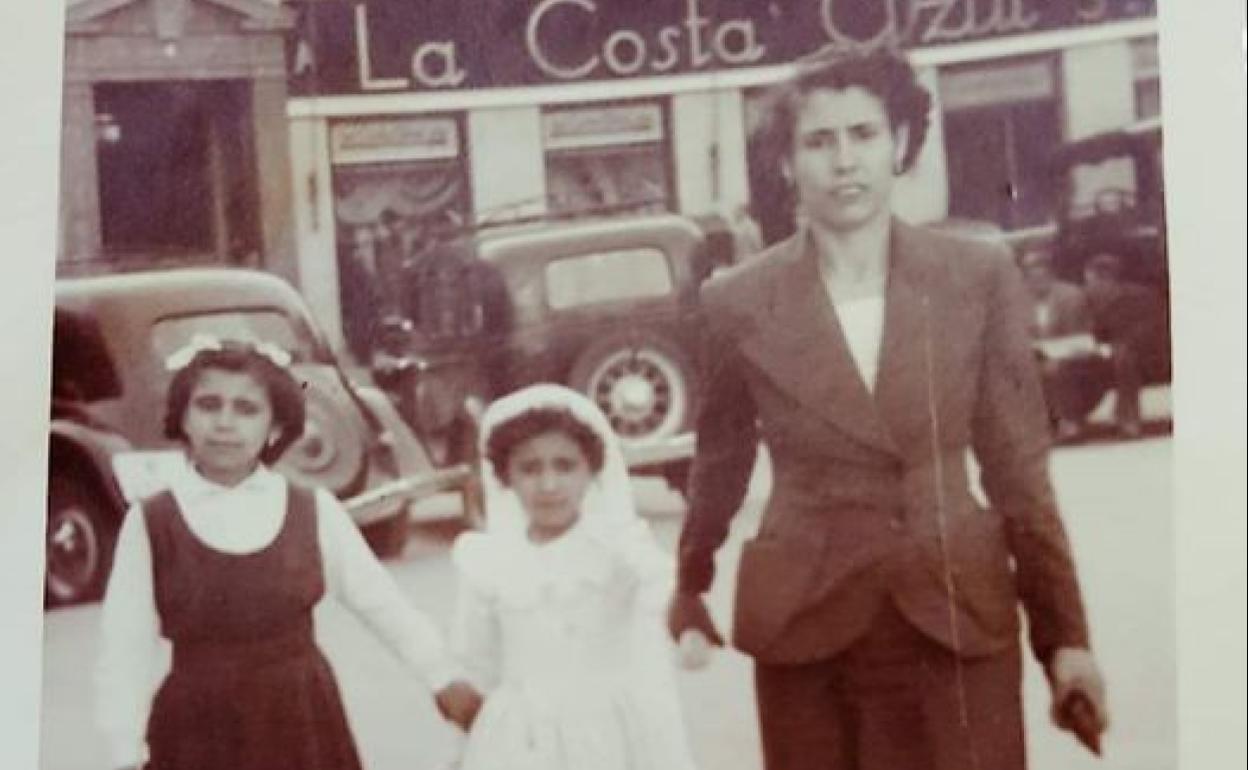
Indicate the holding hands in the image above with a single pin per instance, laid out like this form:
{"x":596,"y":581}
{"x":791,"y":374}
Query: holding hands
{"x":459,"y":703}
{"x":690,"y":625}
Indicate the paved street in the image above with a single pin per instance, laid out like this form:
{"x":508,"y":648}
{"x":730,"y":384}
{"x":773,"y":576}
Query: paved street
{"x":1117,"y":498}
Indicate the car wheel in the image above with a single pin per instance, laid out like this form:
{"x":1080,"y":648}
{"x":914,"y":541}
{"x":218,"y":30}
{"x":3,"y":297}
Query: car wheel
{"x":79,"y":543}
{"x":643,"y":384}
{"x":331,"y":453}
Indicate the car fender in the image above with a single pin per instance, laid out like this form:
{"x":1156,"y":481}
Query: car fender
{"x":409,"y":453}
{"x":90,"y":450}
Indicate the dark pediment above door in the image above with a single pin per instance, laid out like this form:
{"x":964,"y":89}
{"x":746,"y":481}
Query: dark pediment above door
{"x":168,"y":20}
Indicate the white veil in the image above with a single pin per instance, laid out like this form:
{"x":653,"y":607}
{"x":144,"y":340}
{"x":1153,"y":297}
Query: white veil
{"x":609,"y":509}
{"x":609,"y":499}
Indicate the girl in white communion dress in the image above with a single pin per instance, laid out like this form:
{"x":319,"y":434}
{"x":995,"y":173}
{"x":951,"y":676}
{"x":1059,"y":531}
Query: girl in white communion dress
{"x":561,"y":600}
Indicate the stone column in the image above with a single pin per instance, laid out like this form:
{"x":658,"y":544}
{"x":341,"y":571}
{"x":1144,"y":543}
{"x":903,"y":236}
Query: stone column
{"x":273,"y":178}
{"x":80,"y":190}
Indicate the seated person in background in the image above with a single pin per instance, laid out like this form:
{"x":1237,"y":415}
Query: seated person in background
{"x":1073,"y":368}
{"x":1132,"y":320}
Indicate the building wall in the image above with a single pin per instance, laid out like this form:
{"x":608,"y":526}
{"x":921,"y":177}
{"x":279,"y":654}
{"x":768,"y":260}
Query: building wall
{"x":505,"y":161}
{"x":187,"y":40}
{"x":708,"y":141}
{"x":1099,"y":95}
{"x":313,"y":206}
{"x":922,"y":194}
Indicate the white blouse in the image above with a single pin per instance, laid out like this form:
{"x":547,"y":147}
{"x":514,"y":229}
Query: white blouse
{"x":862,"y":321}
{"x":240,"y":519}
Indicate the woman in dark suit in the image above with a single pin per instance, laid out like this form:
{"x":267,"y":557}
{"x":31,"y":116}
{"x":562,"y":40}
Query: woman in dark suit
{"x":879,"y":598}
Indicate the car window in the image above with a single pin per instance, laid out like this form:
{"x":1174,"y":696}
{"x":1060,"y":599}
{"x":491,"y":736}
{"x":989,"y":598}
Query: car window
{"x":170,"y":334}
{"x":611,"y":276}
{"x":1108,"y":186}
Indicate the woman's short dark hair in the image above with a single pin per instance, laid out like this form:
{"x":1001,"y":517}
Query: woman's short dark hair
{"x":285,"y":393}
{"x":882,"y":72}
{"x":529,"y":424}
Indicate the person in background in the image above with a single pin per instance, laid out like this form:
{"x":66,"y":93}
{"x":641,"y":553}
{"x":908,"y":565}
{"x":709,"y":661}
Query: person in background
{"x":1134,"y":322}
{"x":391,"y":259}
{"x":1071,"y":364}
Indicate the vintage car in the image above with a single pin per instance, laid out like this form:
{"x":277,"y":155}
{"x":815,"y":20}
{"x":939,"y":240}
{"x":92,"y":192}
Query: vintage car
{"x":111,"y":337}
{"x":605,"y":305}
{"x":1126,"y":218}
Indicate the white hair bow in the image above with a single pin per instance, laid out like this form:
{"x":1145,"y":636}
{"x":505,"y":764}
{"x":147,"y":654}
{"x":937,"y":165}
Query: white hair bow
{"x":200,"y":343}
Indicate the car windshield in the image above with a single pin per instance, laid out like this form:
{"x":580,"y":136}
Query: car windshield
{"x":1105,"y":187}
{"x":272,"y":326}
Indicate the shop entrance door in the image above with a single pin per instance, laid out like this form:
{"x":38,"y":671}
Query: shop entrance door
{"x":177,"y":175}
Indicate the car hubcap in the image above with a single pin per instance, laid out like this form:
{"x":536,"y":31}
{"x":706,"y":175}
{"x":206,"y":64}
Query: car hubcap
{"x":315,"y":451}
{"x":641,"y":393}
{"x":634,"y":397}
{"x":72,"y":553}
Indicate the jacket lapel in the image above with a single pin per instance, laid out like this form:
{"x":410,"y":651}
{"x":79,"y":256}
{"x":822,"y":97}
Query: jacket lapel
{"x":799,"y":344}
{"x":918,"y":346}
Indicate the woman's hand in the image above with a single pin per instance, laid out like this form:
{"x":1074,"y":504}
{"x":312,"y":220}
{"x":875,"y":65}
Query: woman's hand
{"x":688,"y":611}
{"x":1073,"y":672}
{"x":459,"y":703}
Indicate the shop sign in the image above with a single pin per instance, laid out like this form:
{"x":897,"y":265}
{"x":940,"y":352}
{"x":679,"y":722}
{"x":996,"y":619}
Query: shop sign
{"x":382,"y":140}
{"x":603,"y":126}
{"x":962,"y":89}
{"x":396,"y":45}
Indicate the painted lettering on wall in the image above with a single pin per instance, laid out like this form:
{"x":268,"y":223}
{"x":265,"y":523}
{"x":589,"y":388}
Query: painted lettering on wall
{"x":434,"y":63}
{"x":930,"y":22}
{"x":545,"y":41}
{"x":696,"y":41}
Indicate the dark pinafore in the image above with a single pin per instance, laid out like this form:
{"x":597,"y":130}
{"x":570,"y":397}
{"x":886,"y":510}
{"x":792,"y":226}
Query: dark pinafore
{"x":248,"y":689}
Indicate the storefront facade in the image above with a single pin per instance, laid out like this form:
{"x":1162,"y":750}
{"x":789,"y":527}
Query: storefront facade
{"x":450,"y":110}
{"x":174,"y":142}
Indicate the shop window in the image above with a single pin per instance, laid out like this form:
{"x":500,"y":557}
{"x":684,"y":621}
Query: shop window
{"x":176,"y":170}
{"x":400,"y":185}
{"x":607,"y":158}
{"x":614,"y":276}
{"x":1001,"y":124}
{"x":1147,"y":73}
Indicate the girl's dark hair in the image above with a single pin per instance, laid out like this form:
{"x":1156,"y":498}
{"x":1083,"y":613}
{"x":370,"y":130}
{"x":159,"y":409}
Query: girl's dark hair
{"x":531,"y":423}
{"x":285,"y":393}
{"x":881,"y":72}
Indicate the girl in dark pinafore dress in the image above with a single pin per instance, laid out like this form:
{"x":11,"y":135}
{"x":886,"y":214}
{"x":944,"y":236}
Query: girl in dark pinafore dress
{"x":228,"y":563}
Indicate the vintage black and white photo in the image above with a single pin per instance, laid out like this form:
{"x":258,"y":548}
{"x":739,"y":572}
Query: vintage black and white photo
{"x":612,"y":385}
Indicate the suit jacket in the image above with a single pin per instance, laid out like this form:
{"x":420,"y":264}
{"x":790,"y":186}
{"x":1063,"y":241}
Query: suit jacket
{"x":870,"y":499}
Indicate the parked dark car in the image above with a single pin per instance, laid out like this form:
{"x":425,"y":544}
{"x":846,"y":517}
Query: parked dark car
{"x":1126,"y":221}
{"x":604,"y":305}
{"x":111,"y":337}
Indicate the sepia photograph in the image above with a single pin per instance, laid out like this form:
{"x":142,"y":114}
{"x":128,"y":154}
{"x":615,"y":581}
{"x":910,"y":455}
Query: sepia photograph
{"x":613,"y":385}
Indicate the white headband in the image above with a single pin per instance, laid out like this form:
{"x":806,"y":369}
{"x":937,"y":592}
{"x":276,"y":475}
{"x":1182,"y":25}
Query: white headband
{"x":182,"y":357}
